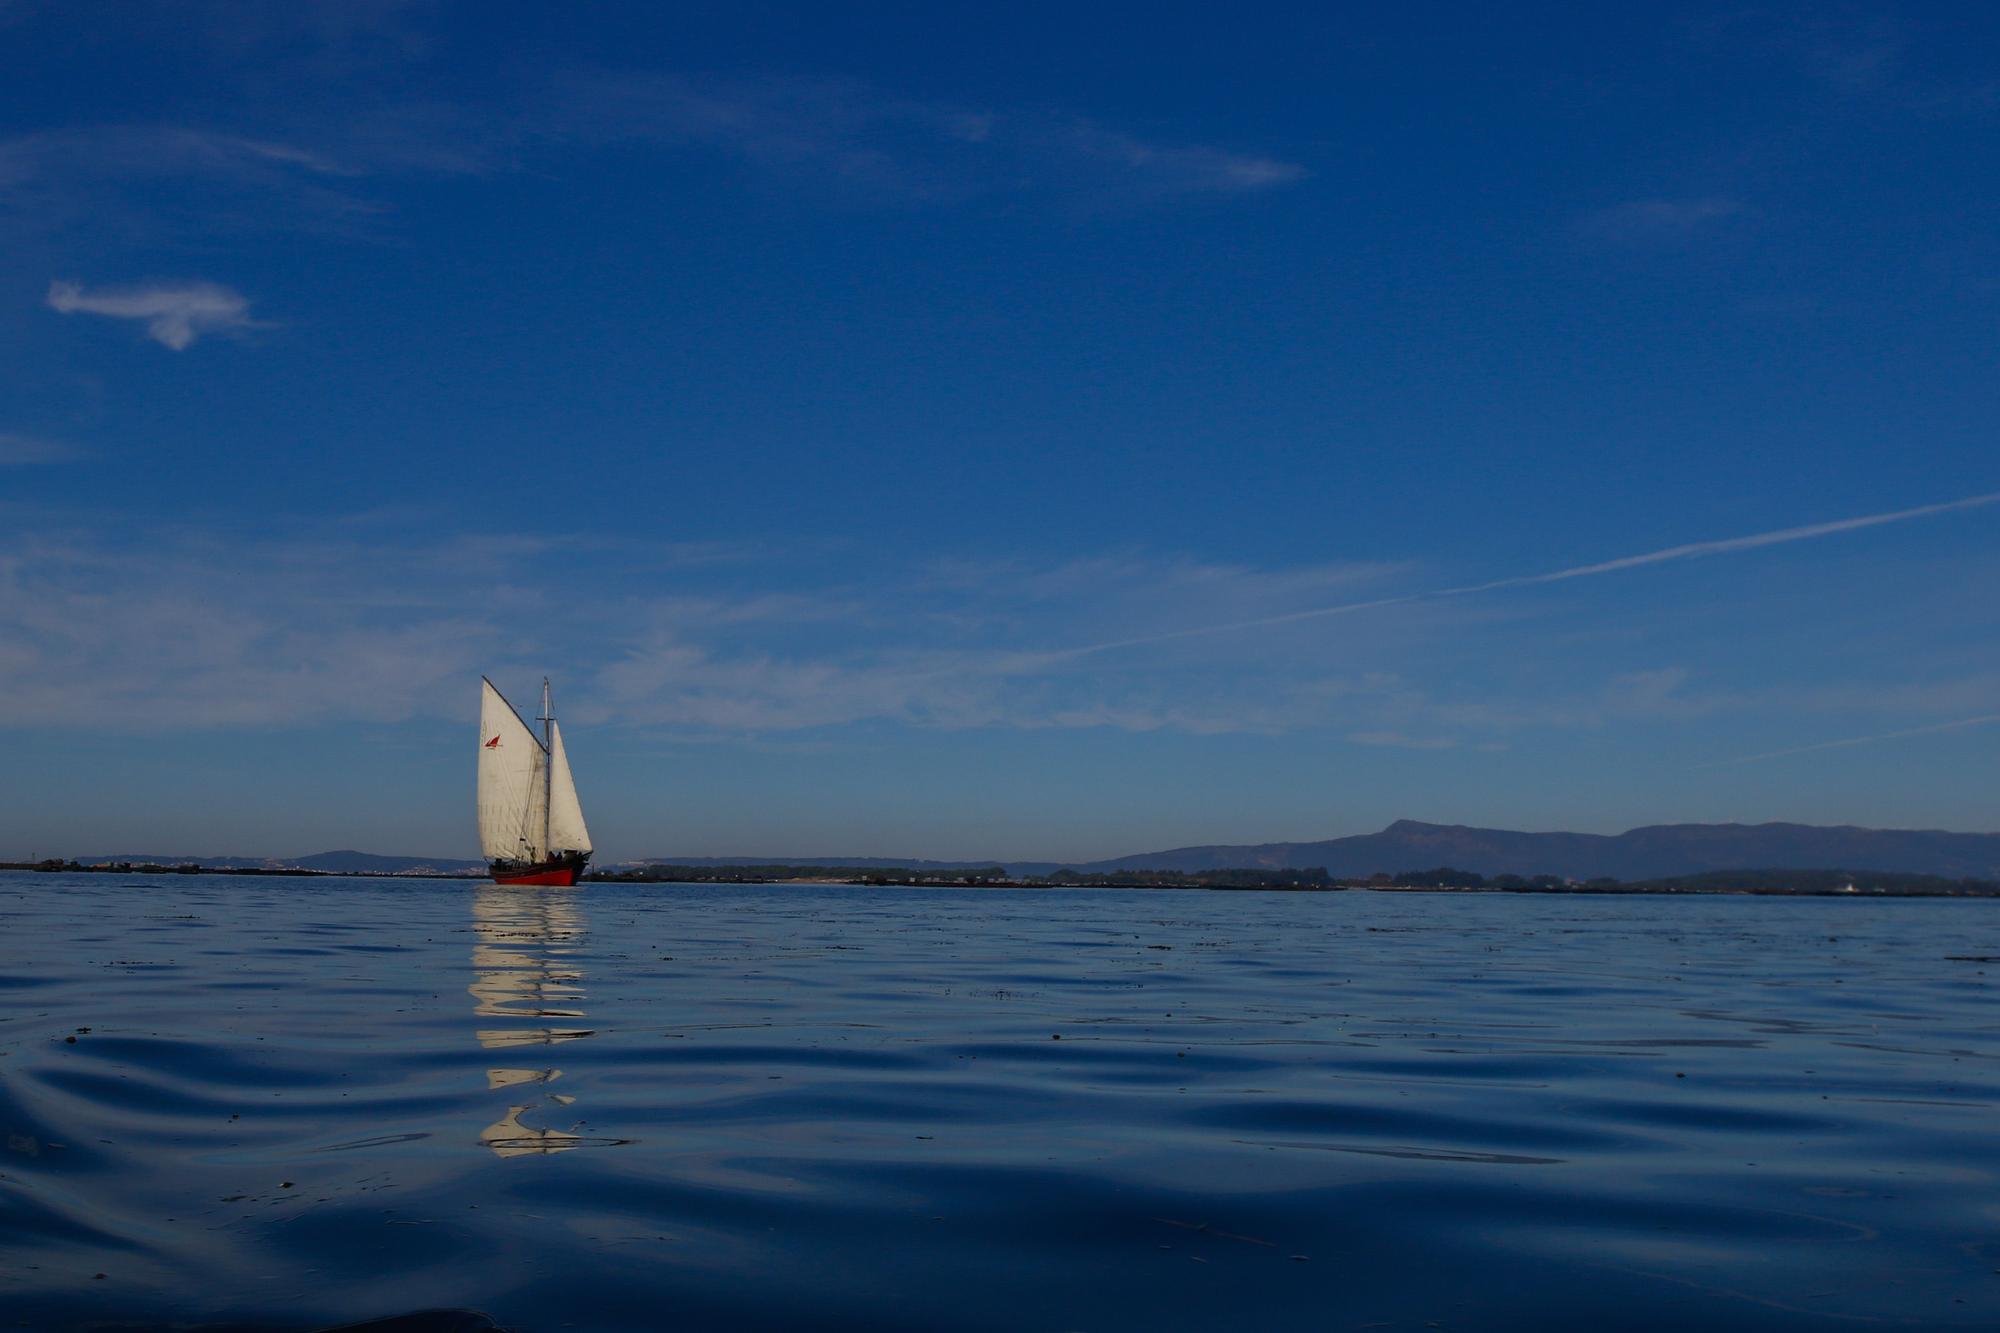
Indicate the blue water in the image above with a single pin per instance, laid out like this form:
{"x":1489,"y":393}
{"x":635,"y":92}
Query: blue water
{"x":293,"y":1103}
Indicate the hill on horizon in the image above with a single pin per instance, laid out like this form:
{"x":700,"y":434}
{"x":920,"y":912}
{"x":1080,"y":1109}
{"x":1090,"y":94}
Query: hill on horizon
{"x":1651,"y":852}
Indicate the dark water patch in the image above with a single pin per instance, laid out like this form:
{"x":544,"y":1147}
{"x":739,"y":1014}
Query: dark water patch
{"x":1663,"y":1043}
{"x":1340,"y":1121}
{"x":1719,"y":1226}
{"x":137,"y":1107}
{"x":1081,"y":1051}
{"x":1946,"y":1052}
{"x":424,"y":1321}
{"x":45,"y":1219}
{"x":1413,"y":1154}
{"x":209,"y":1063}
{"x":1691,"y":1111}
{"x":933,"y":1104}
{"x":1440,"y":1064}
{"x":691,"y":1048}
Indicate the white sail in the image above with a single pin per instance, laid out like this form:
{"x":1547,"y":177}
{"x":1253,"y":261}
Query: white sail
{"x":566,"y":830}
{"x":511,"y":763}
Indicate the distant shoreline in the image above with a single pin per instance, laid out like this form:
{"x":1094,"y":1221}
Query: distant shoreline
{"x":255,"y":872}
{"x":1781,"y":884}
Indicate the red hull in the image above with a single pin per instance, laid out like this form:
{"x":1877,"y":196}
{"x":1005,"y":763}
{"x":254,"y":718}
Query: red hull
{"x":562,"y":878}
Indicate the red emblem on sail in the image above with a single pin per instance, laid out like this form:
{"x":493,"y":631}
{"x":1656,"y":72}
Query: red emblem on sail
{"x":493,"y":744}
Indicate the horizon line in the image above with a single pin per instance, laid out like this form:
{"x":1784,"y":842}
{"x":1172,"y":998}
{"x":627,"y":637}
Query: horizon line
{"x":893,"y":861}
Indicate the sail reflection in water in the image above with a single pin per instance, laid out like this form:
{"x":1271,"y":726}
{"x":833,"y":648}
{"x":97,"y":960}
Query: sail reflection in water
{"x":525,"y":946}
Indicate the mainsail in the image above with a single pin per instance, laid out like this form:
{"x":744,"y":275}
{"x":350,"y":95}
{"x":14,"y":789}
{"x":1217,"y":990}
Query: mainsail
{"x":566,"y":830}
{"x":511,"y":788}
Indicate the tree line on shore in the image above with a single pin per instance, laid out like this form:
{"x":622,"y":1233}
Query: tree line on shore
{"x":1880,"y":882}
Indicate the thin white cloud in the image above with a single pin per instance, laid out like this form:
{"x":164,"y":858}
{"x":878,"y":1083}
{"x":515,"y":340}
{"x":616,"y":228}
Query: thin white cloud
{"x":1755,"y":540}
{"x":327,"y":166}
{"x":320,"y":626}
{"x":175,"y":313}
{"x":337,"y":624}
{"x":1401,"y":741}
{"x":1934,"y":729}
{"x":1166,"y":168}
{"x":244,"y":633}
{"x":134,"y":184}
{"x":153,"y":152}
{"x":1654,"y":220}
{"x":1632,"y":696}
{"x":18,"y":450}
{"x":1133,"y":590}
{"x":872,"y":144}
{"x":1667,"y":555}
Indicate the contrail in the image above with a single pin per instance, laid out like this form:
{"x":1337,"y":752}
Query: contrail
{"x":1690,"y":551}
{"x":1960,"y":725}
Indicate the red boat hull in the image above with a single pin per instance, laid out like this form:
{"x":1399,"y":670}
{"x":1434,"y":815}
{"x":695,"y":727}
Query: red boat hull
{"x":560,"y":871}
{"x":561,"y":877}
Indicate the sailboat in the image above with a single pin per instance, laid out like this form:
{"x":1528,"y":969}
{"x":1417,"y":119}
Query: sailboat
{"x":530,"y":825}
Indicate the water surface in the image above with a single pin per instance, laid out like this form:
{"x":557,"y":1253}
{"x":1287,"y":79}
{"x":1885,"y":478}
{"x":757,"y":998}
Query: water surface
{"x":291,"y":1103}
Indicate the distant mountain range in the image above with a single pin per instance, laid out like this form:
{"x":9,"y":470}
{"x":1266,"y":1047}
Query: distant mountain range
{"x":1655,"y":852}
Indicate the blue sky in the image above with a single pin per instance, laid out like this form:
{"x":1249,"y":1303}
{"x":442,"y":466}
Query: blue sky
{"x":917,"y":430}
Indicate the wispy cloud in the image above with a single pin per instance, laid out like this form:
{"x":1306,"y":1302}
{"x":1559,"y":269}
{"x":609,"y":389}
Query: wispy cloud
{"x":1401,"y":741}
{"x":1871,"y":56}
{"x":1134,"y":589}
{"x":1114,"y":159}
{"x":1937,"y":728}
{"x":1648,"y":221}
{"x":1754,"y":541}
{"x":337,"y":625}
{"x":1652,"y":696}
{"x":1865,"y":54}
{"x":141,"y":182}
{"x":365,"y":620}
{"x":317,"y":628}
{"x":248,"y":633}
{"x":175,"y":313}
{"x":18,"y":450}
{"x":1666,"y":555}
{"x":154,"y":152}
{"x":326,"y":160}
{"x":876,"y":145}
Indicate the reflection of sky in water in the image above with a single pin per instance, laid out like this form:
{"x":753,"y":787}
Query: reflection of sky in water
{"x":523,"y":967}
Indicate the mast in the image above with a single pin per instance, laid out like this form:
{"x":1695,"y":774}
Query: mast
{"x":547,"y":720}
